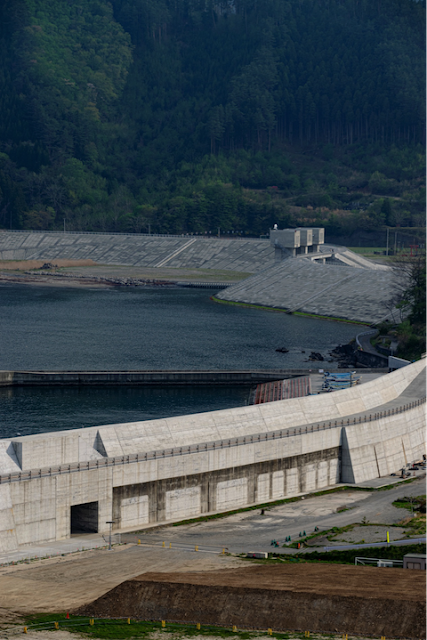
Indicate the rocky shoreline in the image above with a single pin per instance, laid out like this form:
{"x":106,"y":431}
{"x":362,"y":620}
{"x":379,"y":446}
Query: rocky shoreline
{"x":68,"y":279}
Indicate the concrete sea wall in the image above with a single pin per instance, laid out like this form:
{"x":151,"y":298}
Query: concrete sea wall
{"x":161,"y":471}
{"x":108,"y":378}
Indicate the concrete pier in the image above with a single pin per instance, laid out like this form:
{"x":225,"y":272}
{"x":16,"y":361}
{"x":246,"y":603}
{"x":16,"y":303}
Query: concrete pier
{"x":152,"y":378}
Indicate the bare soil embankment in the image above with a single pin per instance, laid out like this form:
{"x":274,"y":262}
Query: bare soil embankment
{"x":87,"y":273}
{"x":24,"y":265}
{"x":323,"y":598}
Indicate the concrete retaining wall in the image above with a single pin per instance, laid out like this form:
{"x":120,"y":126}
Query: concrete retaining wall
{"x":167,"y":470}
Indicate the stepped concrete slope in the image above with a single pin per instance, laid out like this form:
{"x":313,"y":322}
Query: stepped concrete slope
{"x":298,"y":284}
{"x":348,"y":287}
{"x":140,"y":474}
{"x":139,"y":250}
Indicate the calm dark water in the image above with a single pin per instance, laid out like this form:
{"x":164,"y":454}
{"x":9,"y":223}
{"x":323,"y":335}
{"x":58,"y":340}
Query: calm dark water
{"x":124,"y":329}
{"x":37,"y":409}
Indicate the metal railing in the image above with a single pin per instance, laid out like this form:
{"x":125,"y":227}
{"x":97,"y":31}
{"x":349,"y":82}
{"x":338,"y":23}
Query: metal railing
{"x":371,"y":332}
{"x":204,"y":236}
{"x":160,"y":454}
{"x":375,"y":561}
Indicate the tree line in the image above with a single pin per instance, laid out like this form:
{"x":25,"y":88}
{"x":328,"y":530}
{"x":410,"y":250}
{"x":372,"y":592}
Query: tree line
{"x":182,"y":115}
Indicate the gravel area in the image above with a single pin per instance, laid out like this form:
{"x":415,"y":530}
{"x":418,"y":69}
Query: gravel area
{"x":370,"y":533}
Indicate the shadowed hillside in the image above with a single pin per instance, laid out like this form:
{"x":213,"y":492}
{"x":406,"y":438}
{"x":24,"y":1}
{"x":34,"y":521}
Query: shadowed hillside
{"x":182,"y":116}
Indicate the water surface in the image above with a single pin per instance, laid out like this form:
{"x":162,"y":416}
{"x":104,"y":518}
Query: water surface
{"x":122,"y":329}
{"x":54,"y":328}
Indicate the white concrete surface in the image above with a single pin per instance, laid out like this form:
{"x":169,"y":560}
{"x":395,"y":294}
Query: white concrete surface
{"x":184,"y":485}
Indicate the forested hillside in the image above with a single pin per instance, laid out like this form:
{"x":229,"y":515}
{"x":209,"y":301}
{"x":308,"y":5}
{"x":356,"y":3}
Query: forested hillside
{"x":182,"y":116}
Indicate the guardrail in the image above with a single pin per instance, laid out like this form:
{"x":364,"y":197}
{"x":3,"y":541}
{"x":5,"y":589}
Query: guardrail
{"x":371,"y":332}
{"x":375,"y":561}
{"x":131,"y":235}
{"x":203,"y":447}
{"x":343,"y":547}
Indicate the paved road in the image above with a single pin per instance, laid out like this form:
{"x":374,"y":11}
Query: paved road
{"x":250,"y":531}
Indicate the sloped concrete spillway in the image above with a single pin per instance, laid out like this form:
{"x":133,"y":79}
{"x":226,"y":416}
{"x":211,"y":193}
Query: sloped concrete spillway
{"x":166,"y":470}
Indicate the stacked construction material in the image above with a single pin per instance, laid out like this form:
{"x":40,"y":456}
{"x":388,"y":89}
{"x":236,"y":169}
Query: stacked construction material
{"x":281,"y":390}
{"x":335,"y":381}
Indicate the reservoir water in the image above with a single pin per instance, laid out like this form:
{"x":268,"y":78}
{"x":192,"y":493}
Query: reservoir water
{"x":62,"y":328}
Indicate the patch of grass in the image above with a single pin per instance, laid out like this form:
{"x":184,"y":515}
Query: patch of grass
{"x":334,"y":319}
{"x":111,"y":629}
{"x":393,"y":486}
{"x":295,"y":313}
{"x":267,"y":505}
{"x":409,"y":503}
{"x":247,"y":304}
{"x":329,"y":533}
{"x":417,"y":526}
{"x":347,"y":556}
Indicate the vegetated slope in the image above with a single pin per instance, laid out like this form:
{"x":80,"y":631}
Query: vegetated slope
{"x":188,"y":115}
{"x":328,"y":598}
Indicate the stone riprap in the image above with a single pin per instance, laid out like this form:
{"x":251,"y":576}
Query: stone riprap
{"x":139,"y":250}
{"x":128,"y":472}
{"x":298,"y":284}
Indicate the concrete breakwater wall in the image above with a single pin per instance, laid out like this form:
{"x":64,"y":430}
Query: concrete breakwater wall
{"x":101,"y":378}
{"x":160,"y":471}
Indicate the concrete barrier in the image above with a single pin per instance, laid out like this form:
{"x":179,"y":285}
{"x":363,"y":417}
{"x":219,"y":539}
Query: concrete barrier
{"x":167,"y":470}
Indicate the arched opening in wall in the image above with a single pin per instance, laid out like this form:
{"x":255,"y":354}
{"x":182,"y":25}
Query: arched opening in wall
{"x":84,"y":518}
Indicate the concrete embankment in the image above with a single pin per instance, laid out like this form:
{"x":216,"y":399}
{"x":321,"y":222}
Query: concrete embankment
{"x":331,"y":599}
{"x":248,"y":255}
{"x":299,"y":285}
{"x":101,"y":378}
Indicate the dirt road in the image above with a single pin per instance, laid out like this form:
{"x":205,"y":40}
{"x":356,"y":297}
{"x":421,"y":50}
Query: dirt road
{"x":71,"y":581}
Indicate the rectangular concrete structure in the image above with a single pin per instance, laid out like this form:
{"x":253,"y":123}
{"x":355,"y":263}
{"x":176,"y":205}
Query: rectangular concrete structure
{"x":160,"y":471}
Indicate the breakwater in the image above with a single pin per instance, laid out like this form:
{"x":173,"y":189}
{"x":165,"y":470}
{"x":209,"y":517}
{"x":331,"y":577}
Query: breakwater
{"x":73,"y":378}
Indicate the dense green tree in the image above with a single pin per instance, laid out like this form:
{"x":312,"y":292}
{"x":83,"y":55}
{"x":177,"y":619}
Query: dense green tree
{"x":183,"y":114}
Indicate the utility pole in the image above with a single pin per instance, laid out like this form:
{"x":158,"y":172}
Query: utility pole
{"x":110,"y":522}
{"x":64,"y":225}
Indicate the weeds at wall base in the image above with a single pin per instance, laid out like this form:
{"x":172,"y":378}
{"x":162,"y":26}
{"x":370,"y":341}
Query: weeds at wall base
{"x":294,"y":313}
{"x":123,"y":628}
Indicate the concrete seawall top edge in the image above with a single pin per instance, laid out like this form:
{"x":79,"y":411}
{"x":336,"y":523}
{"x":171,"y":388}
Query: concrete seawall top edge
{"x":160,"y":377}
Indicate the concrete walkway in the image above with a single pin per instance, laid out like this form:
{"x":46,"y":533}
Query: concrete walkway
{"x":57,"y":548}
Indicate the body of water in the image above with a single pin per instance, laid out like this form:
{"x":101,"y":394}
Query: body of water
{"x":59,"y":328}
{"x":27,"y":410}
